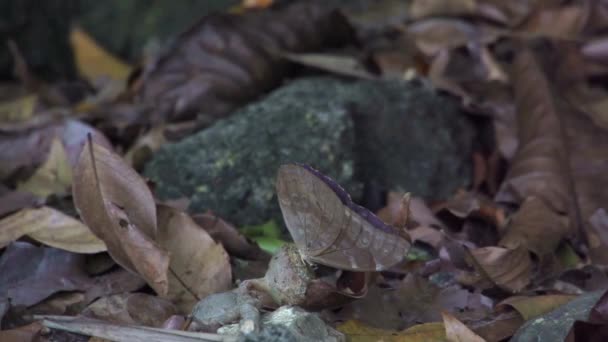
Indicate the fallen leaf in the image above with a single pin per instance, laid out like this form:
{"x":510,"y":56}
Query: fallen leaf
{"x":456,"y":331}
{"x":256,"y":3}
{"x":536,"y":227}
{"x":340,"y":65}
{"x":419,"y":9}
{"x":233,"y":241}
{"x":419,"y":212}
{"x":17,"y":200}
{"x":116,"y":204}
{"x":93,"y":61}
{"x":539,"y":166}
{"x":50,"y":227}
{"x":436,"y":34}
{"x":131,"y":308}
{"x":509,"y":269}
{"x":531,"y":307}
{"x":114,"y":282}
{"x":121,"y":332}
{"x":54,"y":177}
{"x":18,"y":110}
{"x":473,"y":205}
{"x":497,"y":327}
{"x":225,"y":60}
{"x":26,"y":333}
{"x":555,"y":325}
{"x":143,"y":148}
{"x":63,"y":303}
{"x":198,"y":265}
{"x":31,"y":274}
{"x":564,"y":22}
{"x":359,"y":332}
{"x":266,"y":235}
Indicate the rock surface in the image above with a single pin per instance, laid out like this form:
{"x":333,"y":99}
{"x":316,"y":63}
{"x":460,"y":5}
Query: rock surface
{"x":400,"y":135}
{"x":230,"y":167}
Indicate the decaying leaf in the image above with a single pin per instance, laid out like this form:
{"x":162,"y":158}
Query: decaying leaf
{"x":427,"y":8}
{"x":18,"y":110}
{"x":198,"y":266}
{"x":131,"y":308}
{"x":225,"y":60}
{"x":94,"y":62}
{"x":530,"y":307}
{"x":26,"y":333}
{"x":50,"y":227}
{"x":234,"y":242}
{"x":536,"y":227}
{"x":116,"y":204}
{"x":340,"y":65}
{"x":31,"y":274}
{"x":359,"y":332}
{"x":456,"y":331}
{"x":54,"y":177}
{"x":509,"y":269}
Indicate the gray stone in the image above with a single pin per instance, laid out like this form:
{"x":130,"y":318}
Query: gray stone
{"x":288,"y":323}
{"x":214,"y":311}
{"x":409,"y":138}
{"x":231,"y":166}
{"x":396,"y":134}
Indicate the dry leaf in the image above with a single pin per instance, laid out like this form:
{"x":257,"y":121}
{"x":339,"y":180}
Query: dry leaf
{"x":540,"y":167}
{"x":26,"y":333}
{"x":339,"y":65}
{"x":359,"y":332}
{"x":31,"y":274}
{"x":234,"y":242}
{"x":114,"y":282}
{"x":531,"y":307}
{"x":509,"y":269}
{"x":18,"y":110}
{"x":116,"y":204}
{"x":225,"y":60}
{"x":131,"y":308}
{"x":93,"y":61}
{"x":564,"y":22}
{"x":143,"y":148}
{"x":437,"y":34}
{"x":50,"y":227}
{"x":536,"y":227}
{"x":54,"y":177}
{"x":456,"y":331}
{"x":419,"y":9}
{"x":198,"y":266}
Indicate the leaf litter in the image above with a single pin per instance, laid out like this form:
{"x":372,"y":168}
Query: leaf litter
{"x":520,"y":253}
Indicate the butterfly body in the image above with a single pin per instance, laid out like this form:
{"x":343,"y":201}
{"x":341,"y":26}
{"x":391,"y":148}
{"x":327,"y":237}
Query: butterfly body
{"x":329,"y":229}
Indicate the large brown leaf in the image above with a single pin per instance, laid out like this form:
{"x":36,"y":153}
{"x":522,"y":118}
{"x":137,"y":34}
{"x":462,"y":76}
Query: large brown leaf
{"x":115,"y":202}
{"x":509,"y":269}
{"x":225,"y":60}
{"x":199,"y":266}
{"x":562,"y":161}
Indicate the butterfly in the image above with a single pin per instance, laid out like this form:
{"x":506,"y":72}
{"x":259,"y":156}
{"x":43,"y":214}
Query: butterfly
{"x":329,"y":228}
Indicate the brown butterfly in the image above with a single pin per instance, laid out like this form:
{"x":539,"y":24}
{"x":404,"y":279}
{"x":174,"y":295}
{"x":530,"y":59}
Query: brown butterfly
{"x":329,"y":229}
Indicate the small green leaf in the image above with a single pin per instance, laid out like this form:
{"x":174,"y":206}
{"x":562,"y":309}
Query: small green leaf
{"x":267,"y":236}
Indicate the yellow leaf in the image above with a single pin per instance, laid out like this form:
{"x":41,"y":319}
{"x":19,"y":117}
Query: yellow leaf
{"x":359,"y":332}
{"x":256,"y":3}
{"x":18,"y":110}
{"x":456,"y":331}
{"x":94,"y":62}
{"x":54,"y":177}
{"x":50,"y":227}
